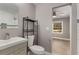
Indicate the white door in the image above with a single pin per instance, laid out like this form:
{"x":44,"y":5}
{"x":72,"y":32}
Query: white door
{"x":78,"y":38}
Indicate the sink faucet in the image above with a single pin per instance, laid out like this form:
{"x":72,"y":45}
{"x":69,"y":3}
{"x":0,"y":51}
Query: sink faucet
{"x":7,"y":35}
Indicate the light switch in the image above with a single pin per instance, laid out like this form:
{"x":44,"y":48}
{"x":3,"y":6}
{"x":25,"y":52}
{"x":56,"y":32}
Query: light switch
{"x":47,"y":28}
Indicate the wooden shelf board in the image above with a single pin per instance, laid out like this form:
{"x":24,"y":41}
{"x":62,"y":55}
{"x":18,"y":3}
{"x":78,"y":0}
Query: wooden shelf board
{"x":58,"y":38}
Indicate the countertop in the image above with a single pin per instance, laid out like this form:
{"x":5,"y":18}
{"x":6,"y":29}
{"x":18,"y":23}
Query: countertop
{"x":11,"y":42}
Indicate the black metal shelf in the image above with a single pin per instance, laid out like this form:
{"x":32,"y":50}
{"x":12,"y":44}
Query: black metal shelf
{"x":26,"y":29}
{"x":26,"y":19}
{"x":29,"y":30}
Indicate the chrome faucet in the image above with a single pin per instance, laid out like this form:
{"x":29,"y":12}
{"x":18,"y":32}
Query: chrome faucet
{"x":7,"y":35}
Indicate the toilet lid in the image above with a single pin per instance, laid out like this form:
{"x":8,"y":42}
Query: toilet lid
{"x":37,"y":48}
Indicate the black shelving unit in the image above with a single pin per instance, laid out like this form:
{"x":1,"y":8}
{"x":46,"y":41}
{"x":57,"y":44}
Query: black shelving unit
{"x":26,"y":29}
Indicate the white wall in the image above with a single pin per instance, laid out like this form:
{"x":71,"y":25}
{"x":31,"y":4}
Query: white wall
{"x":44,"y":17}
{"x":24,"y":10}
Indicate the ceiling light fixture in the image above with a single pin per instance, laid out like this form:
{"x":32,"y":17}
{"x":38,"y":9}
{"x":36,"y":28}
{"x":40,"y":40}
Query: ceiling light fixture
{"x":54,"y":14}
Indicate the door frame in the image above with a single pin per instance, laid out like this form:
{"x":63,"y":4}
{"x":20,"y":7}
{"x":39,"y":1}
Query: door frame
{"x":73,"y":27}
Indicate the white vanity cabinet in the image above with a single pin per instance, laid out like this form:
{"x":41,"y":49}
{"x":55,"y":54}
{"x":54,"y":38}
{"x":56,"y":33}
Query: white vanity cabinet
{"x":19,"y":49}
{"x":14,"y":46}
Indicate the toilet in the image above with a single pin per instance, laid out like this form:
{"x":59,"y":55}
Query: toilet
{"x":35,"y":49}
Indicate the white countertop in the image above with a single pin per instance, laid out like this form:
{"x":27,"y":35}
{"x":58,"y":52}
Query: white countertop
{"x":11,"y":42}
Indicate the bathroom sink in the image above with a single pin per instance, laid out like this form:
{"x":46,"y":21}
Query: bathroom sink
{"x":11,"y":42}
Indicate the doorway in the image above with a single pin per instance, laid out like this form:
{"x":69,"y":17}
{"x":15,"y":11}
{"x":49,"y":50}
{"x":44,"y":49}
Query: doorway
{"x":63,"y":30}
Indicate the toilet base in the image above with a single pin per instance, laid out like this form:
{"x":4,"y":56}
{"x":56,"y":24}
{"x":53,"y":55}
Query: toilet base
{"x":45,"y":53}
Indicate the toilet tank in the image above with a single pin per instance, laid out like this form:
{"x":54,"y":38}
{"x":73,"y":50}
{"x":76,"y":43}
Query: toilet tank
{"x":30,"y":40}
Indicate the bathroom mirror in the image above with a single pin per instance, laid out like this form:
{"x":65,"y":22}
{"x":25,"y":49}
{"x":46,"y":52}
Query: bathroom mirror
{"x":58,"y":27}
{"x":8,"y":15}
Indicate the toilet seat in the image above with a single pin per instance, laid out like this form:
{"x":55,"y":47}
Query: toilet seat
{"x":37,"y":49}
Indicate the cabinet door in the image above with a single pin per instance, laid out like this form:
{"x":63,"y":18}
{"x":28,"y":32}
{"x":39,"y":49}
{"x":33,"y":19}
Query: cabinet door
{"x":19,"y":49}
